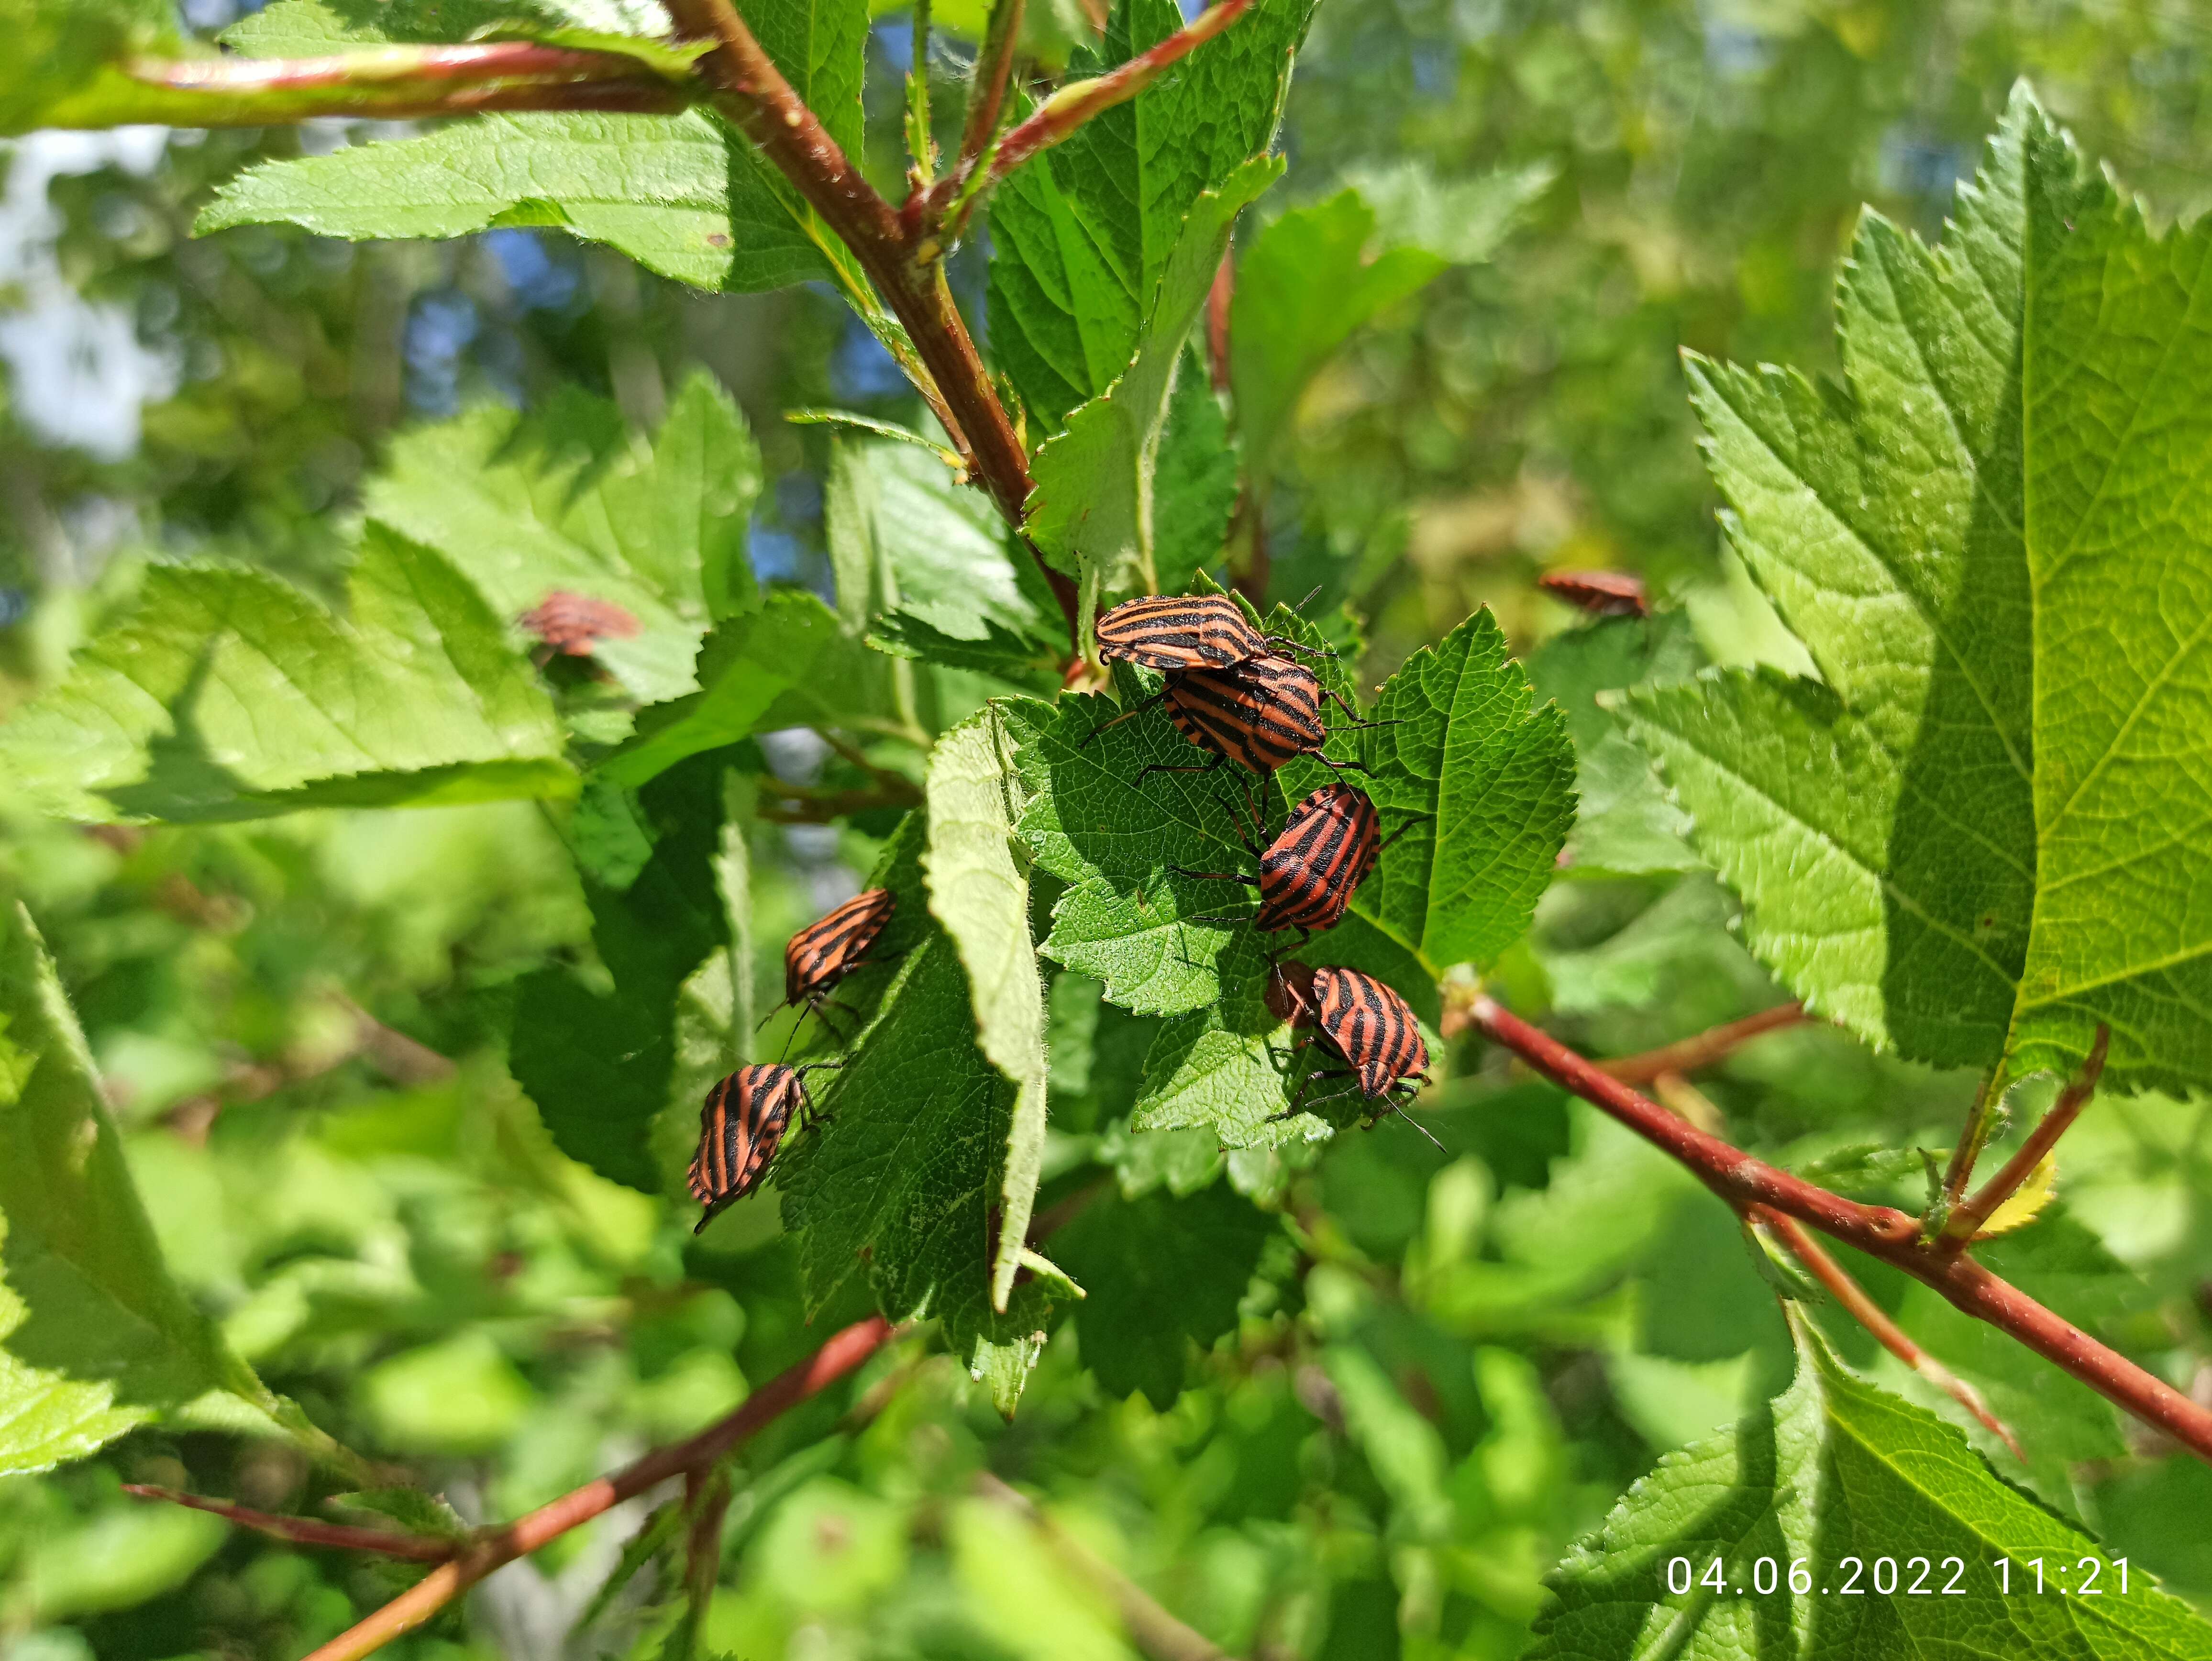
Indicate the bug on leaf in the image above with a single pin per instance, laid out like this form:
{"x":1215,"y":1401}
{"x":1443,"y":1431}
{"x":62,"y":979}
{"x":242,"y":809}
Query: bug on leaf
{"x":1309,"y":874}
{"x":1185,"y":631}
{"x":1261,"y":715}
{"x":1601,"y":594}
{"x":1358,"y":1020}
{"x":822,"y":953}
{"x":741,"y":1124}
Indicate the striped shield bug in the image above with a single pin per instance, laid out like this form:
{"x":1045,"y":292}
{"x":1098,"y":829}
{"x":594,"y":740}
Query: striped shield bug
{"x":1261,"y":715}
{"x":822,"y":953}
{"x":740,"y":1126}
{"x":1308,"y":873}
{"x":1186,"y":631}
{"x":1359,"y":1021}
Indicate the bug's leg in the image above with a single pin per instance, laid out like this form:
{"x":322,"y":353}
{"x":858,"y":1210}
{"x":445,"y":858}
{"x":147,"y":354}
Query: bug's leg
{"x":1285,"y":643}
{"x":1130,"y":713}
{"x":1214,"y":876}
{"x":1418,"y":819}
{"x":1163,"y":767}
{"x":1341,"y":766}
{"x":770,"y":1016}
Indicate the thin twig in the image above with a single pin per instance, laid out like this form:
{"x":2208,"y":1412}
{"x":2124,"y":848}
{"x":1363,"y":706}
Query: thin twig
{"x":306,"y":1530}
{"x":1981,"y":1120}
{"x":1876,"y":1320}
{"x":1966,"y":1218}
{"x":1881,"y":1231}
{"x":1702,"y":1048}
{"x":706,"y":1499}
{"x":920,"y":147}
{"x":755,"y":97}
{"x":496,"y":1547}
{"x":398,"y":81}
{"x":1156,"y":1631}
{"x":1068,"y":109}
{"x":986,"y":93}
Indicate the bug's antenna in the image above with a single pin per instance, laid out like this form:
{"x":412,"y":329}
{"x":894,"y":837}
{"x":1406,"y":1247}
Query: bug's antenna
{"x":1405,"y":1118}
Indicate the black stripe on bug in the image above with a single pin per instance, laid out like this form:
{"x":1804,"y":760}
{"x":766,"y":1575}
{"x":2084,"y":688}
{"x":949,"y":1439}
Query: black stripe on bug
{"x":1359,"y":1021}
{"x":1308,"y":874}
{"x":820,"y":955}
{"x":741,"y":1124}
{"x":1187,"y":631}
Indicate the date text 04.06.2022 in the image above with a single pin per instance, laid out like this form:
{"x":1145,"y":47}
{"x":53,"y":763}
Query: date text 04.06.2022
{"x":1904,"y":1577}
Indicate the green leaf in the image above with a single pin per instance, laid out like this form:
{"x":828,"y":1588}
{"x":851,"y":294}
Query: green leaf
{"x":96,"y":1337}
{"x":1091,"y":508}
{"x":598,"y":1061}
{"x":657,"y":187}
{"x":751,"y":671}
{"x":567,"y":499}
{"x":684,"y":195}
{"x":923,"y":563}
{"x":1317,"y":274}
{"x":1122,"y":920}
{"x":979,"y":891}
{"x":1195,"y":485}
{"x":902,"y":1179}
{"x":1161,"y":1274}
{"x":1972,"y":840}
{"x":1625,"y":825}
{"x":1834,"y":1468}
{"x":1082,"y":235}
{"x":312,"y":28}
{"x":1494,"y":777}
{"x":228,"y":695}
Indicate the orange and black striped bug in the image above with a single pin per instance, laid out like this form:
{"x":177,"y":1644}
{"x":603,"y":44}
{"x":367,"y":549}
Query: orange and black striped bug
{"x":1186,"y":631}
{"x":740,"y":1126}
{"x":822,"y":953}
{"x":1601,"y":594}
{"x":1261,"y":714}
{"x":1360,"y":1021}
{"x":1309,"y":874}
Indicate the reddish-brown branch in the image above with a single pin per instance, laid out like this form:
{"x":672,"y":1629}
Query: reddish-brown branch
{"x":1879,"y":1231}
{"x":1876,"y":1320}
{"x":399,"y":81}
{"x":987,"y":93}
{"x":1061,"y":115}
{"x":763,"y":105}
{"x":1702,"y":1048}
{"x":496,"y":1547}
{"x":1218,"y":300}
{"x":306,"y":1530}
{"x":1966,"y":1221}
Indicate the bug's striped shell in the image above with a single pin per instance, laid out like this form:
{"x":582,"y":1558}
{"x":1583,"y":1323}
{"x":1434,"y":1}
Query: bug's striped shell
{"x":1179,"y":631}
{"x":1368,"y":1026}
{"x":1309,"y":873}
{"x":741,"y":1123}
{"x":822,"y":953}
{"x":1258,"y":714}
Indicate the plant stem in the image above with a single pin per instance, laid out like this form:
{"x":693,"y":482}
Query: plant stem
{"x":395,"y":83}
{"x":761,"y":103}
{"x":496,"y":1547}
{"x":1067,"y":110}
{"x":986,"y":93}
{"x":1981,"y":1119}
{"x":1154,"y":1631}
{"x":306,"y":1530}
{"x":1881,"y":1231}
{"x":921,"y":148}
{"x":1876,"y":1320}
{"x":707,"y":1498}
{"x":1965,"y":1218}
{"x":1702,"y":1048}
